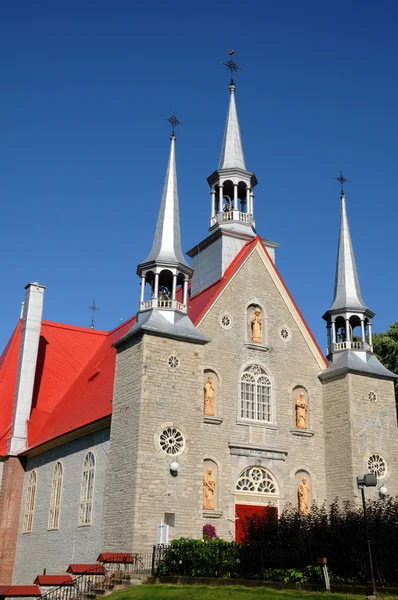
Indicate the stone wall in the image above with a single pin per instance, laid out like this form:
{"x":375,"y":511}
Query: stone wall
{"x":55,"y":550}
{"x":277,"y":446}
{"x":149,"y":397}
{"x":340,"y":481}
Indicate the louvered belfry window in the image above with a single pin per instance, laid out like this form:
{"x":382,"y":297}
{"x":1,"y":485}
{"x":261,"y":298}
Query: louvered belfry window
{"x":55,"y":497}
{"x":87,"y":490}
{"x":30,"y":503}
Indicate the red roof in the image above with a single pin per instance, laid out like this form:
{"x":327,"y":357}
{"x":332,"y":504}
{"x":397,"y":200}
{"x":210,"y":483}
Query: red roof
{"x":54,"y":580}
{"x":16,"y":591}
{"x":115,"y":557}
{"x":82,"y":569}
{"x":76,"y":366}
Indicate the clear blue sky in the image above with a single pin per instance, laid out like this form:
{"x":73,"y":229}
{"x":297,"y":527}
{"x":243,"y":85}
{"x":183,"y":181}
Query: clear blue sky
{"x":85,"y":87}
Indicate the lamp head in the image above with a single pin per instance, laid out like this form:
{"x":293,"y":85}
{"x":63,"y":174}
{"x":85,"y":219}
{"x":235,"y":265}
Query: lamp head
{"x":174,"y":466}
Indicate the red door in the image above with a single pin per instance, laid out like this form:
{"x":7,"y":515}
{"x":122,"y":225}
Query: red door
{"x":247,"y":510}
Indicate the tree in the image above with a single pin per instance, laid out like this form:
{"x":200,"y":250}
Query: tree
{"x":385,"y":346}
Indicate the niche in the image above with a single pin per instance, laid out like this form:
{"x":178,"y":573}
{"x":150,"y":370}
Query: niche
{"x":210,"y":485}
{"x":211,"y":393}
{"x":303,"y":492}
{"x":300,"y":408}
{"x":257,"y":326}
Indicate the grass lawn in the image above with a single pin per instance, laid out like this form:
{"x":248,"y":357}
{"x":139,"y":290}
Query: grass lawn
{"x":202,"y":592}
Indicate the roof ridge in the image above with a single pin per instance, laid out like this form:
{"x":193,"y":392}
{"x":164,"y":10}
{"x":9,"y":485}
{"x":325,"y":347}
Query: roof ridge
{"x":74,"y":327}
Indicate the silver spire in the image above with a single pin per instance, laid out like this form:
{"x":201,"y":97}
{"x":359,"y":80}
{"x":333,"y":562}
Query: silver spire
{"x":166,"y":247}
{"x":232,"y":150}
{"x":347,"y":293}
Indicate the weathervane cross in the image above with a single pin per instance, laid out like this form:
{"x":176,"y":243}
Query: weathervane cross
{"x":93,"y":309}
{"x":342,"y":181}
{"x":174,"y":122}
{"x":232,"y":66}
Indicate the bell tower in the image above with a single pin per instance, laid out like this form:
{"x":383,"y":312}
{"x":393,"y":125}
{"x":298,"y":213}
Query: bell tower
{"x":155,"y":458}
{"x":358,"y":392}
{"x":231,"y":223}
{"x":231,"y":185}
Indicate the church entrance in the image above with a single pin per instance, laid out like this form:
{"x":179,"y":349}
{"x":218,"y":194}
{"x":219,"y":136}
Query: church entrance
{"x":256,"y":495}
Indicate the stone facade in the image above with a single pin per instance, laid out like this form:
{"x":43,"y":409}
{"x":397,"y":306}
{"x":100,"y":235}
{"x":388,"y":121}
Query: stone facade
{"x":149,"y":397}
{"x":289,"y":364}
{"x":54,"y":550}
{"x":360,"y":421}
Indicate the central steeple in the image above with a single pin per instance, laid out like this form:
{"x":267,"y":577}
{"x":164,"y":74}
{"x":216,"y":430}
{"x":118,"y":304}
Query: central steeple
{"x":232,"y":185}
{"x":232,"y":151}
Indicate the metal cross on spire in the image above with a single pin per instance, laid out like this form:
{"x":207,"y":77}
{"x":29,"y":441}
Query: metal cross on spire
{"x":174,"y":122}
{"x":342,"y":180}
{"x":232,"y":66}
{"x":93,"y":309}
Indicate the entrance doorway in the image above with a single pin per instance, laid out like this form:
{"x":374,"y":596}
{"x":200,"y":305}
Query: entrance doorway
{"x":242,"y":511}
{"x":257,"y":494}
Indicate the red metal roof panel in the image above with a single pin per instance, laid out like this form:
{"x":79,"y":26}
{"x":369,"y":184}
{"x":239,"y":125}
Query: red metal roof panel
{"x":85,"y":569}
{"x":54,"y":580}
{"x":17,"y":591}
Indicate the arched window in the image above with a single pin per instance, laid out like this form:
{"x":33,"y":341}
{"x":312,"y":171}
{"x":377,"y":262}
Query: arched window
{"x":55,"y":496}
{"x":30,"y":503}
{"x":87,"y":490}
{"x":255,"y":394}
{"x":256,"y":480}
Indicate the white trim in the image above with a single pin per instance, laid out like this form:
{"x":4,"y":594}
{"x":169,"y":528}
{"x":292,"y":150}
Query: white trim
{"x":285,"y":296}
{"x":82,"y":499}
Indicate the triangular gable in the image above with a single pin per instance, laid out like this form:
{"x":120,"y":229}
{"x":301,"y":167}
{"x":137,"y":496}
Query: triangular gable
{"x":256,"y":245}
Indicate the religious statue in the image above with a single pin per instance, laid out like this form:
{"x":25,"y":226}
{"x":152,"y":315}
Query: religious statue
{"x":256,"y":326}
{"x":209,"y":397}
{"x":301,"y":412}
{"x":209,"y":485}
{"x":303,"y":493}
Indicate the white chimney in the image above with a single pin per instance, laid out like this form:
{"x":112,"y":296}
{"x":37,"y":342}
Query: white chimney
{"x":30,"y":337}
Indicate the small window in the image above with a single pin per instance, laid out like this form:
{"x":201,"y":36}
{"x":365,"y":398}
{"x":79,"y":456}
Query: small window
{"x":255,"y":395}
{"x":55,"y":497}
{"x":87,"y":490}
{"x":173,"y":362}
{"x":30,"y":503}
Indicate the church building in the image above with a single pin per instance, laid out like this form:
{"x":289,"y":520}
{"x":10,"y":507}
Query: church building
{"x":213,"y":402}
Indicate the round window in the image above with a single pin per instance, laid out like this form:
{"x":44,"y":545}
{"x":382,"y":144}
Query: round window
{"x":173,"y":362}
{"x":171,"y":441}
{"x":377,"y":465}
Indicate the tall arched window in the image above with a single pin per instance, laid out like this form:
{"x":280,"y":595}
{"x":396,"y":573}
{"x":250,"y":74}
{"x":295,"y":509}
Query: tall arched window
{"x":87,"y":490}
{"x":30,"y":503}
{"x":255,"y":394}
{"x":55,"y":497}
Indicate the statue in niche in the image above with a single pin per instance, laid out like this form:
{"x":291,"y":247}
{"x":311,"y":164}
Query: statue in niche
{"x":301,"y":412}
{"x":303,"y":493}
{"x":209,"y":486}
{"x":209,"y":397}
{"x":256,"y":326}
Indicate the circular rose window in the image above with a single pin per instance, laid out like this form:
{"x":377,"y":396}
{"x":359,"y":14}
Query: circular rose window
{"x":171,"y":441}
{"x":377,"y":465}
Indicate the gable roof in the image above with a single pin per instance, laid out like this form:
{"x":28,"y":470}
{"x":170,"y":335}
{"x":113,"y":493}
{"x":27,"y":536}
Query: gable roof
{"x":76,"y":366}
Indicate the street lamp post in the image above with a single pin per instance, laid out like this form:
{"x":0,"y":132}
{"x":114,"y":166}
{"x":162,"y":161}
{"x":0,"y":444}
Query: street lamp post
{"x":369,"y":480}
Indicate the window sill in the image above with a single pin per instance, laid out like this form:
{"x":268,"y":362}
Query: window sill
{"x":256,"y":346}
{"x":302,"y":432}
{"x":212,"y":420}
{"x":212,"y":514}
{"x":265,"y":424}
